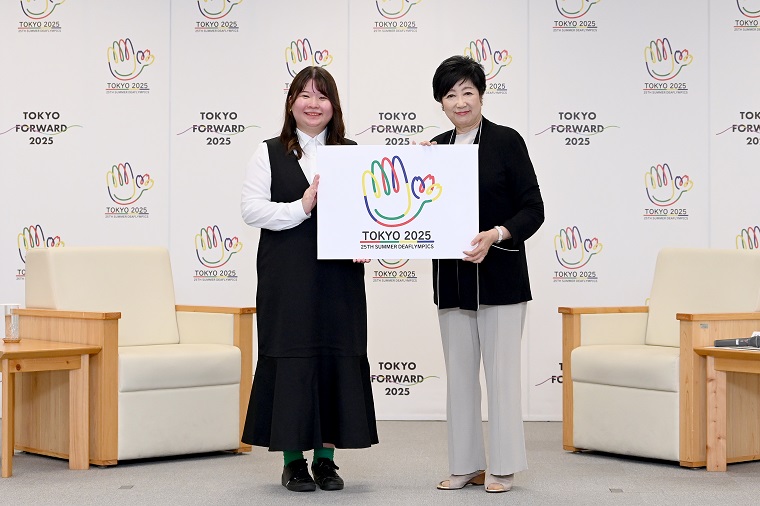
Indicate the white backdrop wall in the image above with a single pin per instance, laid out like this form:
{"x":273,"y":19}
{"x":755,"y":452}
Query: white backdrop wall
{"x":130,"y":123}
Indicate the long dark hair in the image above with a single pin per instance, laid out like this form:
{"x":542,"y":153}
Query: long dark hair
{"x":325,"y":84}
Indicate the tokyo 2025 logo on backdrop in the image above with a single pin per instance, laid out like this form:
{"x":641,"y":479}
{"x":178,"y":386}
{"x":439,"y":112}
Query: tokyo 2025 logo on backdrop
{"x":125,"y":189}
{"x":300,"y":54}
{"x":125,"y":64}
{"x":215,"y":18}
{"x":664,"y":190}
{"x":39,"y":9}
{"x":664,"y":64}
{"x":394,"y":271}
{"x":749,"y":8}
{"x":394,"y":16}
{"x":32,"y":237}
{"x":215,"y":251}
{"x":574,"y":252}
{"x":493,"y":62}
{"x":750,"y":20}
{"x":572,"y":11}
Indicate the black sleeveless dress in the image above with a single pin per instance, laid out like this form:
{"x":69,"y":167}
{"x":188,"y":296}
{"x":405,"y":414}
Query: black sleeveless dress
{"x":312,"y":382}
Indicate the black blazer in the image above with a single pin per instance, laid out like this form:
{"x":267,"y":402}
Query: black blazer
{"x":509,"y":196}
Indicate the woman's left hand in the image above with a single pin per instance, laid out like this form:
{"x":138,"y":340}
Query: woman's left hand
{"x":482,"y":243}
{"x":362,"y":260}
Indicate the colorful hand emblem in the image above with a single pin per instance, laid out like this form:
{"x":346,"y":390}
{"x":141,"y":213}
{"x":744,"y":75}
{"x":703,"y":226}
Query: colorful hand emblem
{"x":124,"y":62}
{"x":33,"y":237}
{"x":212,"y":249}
{"x":492,"y":61}
{"x":124,"y":187}
{"x":300,"y":54}
{"x":573,"y":252}
{"x":662,"y":62}
{"x":662,"y":188}
{"x":392,"y":202}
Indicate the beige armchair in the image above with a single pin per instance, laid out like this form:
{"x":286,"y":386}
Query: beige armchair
{"x":169,"y":380}
{"x":633,"y":384}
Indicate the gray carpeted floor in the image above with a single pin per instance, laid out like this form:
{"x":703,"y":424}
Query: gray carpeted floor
{"x":402,"y":469}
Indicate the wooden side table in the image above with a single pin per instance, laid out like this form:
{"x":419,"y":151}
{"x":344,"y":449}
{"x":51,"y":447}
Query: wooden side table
{"x":719,"y":362}
{"x":30,"y":355}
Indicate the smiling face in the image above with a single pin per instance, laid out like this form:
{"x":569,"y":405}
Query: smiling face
{"x":462,"y":105}
{"x":312,"y":110}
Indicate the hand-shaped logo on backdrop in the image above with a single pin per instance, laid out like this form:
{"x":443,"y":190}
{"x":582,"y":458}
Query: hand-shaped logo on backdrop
{"x":124,"y":187}
{"x":662,"y":62}
{"x":748,"y":238}
{"x":124,"y":62}
{"x":33,"y":237}
{"x":750,"y":8}
{"x":662,"y":188}
{"x":400,"y":202}
{"x":39,"y":9}
{"x":395,"y":9}
{"x":572,"y":250}
{"x":492,"y":61}
{"x":212,"y":249}
{"x":299,"y":55}
{"x":572,"y":9}
{"x":216,"y":9}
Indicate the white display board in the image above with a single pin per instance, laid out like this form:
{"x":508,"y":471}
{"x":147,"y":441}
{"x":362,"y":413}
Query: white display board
{"x":388,"y":201}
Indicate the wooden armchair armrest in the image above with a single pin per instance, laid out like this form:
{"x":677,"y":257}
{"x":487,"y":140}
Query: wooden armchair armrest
{"x":690,"y":317}
{"x":216,"y":309}
{"x":79,"y":315}
{"x":603,"y":310}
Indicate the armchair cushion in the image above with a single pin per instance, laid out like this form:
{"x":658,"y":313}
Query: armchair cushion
{"x":699,"y":281}
{"x":177,"y":366}
{"x":137,"y":281}
{"x":632,"y":366}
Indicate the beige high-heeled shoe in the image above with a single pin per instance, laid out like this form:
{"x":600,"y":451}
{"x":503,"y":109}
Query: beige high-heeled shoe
{"x":458,"y":481}
{"x":496,"y":483}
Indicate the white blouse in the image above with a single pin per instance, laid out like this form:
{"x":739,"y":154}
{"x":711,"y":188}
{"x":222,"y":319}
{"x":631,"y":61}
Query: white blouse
{"x":256,"y":204}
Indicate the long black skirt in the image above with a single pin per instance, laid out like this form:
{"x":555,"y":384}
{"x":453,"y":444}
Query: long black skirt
{"x":303,"y":403}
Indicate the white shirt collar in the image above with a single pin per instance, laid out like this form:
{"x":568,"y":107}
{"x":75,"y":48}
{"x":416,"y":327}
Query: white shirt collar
{"x":304,"y":139}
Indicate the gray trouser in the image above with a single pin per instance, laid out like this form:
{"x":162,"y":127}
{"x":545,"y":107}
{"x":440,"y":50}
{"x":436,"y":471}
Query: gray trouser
{"x":495,"y":333}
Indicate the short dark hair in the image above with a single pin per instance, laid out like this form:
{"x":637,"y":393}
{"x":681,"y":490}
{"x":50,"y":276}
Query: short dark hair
{"x":325,"y":84}
{"x":455,"y":70}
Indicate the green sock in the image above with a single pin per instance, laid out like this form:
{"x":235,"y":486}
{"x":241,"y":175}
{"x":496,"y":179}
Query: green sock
{"x":324,"y":453}
{"x":291,"y":456}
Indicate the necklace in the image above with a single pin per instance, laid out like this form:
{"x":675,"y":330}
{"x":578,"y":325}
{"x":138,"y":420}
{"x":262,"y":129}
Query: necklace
{"x":477,"y":135}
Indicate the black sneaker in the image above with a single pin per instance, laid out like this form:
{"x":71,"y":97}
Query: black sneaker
{"x":296,"y":477}
{"x":325,"y":475}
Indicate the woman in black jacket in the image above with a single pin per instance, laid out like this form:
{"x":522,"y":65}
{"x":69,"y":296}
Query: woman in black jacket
{"x":482,"y":298}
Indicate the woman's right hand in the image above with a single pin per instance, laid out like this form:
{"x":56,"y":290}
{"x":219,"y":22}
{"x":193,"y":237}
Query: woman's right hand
{"x":309,"y":199}
{"x":425,"y":143}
